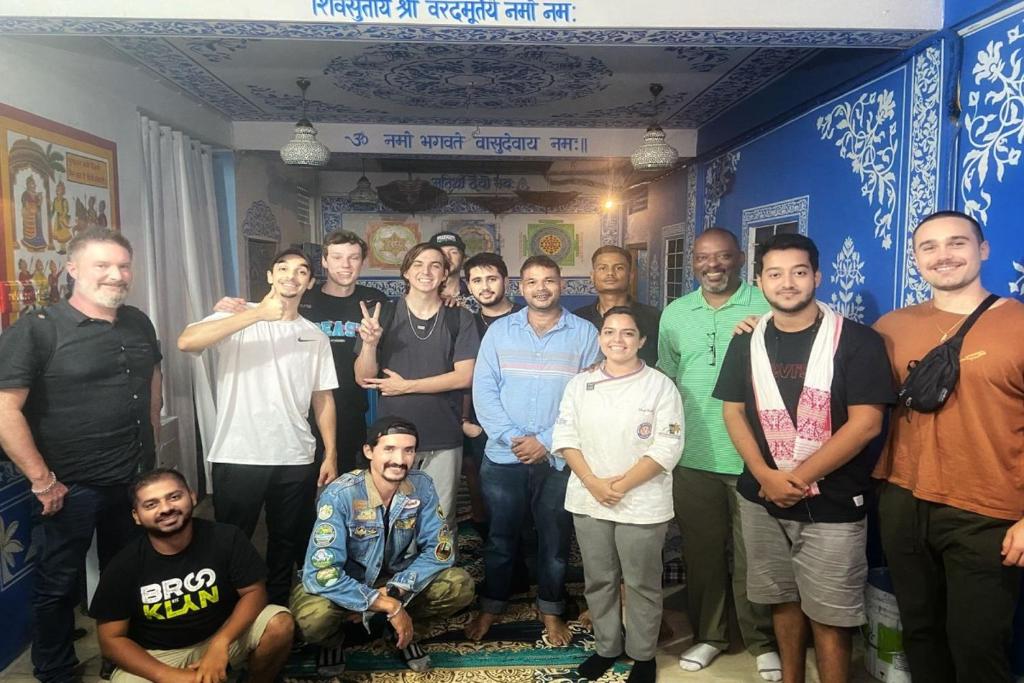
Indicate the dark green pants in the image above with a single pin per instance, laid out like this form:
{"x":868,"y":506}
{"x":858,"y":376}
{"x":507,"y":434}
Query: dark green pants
{"x":708,"y":515}
{"x":956,"y":599}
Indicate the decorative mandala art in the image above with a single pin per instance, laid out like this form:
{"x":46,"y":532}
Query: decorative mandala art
{"x":848,"y":272}
{"x":553,"y":238}
{"x":389,"y":240}
{"x":456,"y":76}
{"x":923,"y":188}
{"x":478,"y":235}
{"x":865,"y":131}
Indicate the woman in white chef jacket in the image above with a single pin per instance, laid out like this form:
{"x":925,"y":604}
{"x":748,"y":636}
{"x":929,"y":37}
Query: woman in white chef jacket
{"x":620,"y":430}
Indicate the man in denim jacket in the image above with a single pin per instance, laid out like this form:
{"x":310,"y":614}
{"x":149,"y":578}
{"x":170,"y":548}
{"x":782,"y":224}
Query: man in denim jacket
{"x":380,"y":545}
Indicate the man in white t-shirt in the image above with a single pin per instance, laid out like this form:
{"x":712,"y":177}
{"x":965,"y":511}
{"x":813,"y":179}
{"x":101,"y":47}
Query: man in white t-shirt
{"x":272,"y":365}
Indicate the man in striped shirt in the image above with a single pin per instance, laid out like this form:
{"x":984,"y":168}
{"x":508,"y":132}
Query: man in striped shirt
{"x":694,"y":335}
{"x":524,"y":363}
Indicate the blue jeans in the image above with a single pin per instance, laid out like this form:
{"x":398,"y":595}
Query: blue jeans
{"x":511,"y":491}
{"x":64,"y":540}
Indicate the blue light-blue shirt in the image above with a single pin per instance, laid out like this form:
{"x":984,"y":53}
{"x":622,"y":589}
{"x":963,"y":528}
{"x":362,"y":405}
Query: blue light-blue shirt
{"x":519,"y":379}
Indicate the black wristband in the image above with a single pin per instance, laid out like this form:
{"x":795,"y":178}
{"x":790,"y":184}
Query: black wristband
{"x":394,"y":592}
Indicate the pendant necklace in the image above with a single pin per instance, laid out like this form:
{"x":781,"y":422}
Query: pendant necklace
{"x":412,"y":326}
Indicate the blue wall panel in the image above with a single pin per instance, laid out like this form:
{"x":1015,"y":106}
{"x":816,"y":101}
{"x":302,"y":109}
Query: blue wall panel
{"x":990,"y":140}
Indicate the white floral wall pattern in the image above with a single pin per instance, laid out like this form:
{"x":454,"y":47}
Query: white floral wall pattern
{"x":923,"y":188}
{"x":993,"y":121}
{"x":993,"y":127}
{"x":865,"y":131}
{"x":717,"y":183}
{"x":848,"y":272}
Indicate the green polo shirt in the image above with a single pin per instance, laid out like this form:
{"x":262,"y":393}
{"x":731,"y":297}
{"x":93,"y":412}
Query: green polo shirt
{"x":692,"y":343}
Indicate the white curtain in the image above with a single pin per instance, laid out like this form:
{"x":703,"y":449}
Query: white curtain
{"x":179,"y":213}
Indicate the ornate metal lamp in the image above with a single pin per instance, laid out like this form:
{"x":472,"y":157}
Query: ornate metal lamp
{"x":363,"y":194}
{"x":304,"y":149}
{"x":654,"y":154}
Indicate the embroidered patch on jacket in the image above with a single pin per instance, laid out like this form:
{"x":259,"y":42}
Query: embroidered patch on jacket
{"x":324,"y":535}
{"x":644,"y":430}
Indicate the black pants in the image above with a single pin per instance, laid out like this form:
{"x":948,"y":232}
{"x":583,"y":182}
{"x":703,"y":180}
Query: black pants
{"x":64,"y":541}
{"x":239,"y":494}
{"x":956,"y":599}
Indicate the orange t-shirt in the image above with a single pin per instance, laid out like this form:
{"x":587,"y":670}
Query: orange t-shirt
{"x":969,"y":454}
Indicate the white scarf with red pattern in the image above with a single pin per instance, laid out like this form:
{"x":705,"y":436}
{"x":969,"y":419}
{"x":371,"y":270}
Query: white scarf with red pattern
{"x":790,"y":444}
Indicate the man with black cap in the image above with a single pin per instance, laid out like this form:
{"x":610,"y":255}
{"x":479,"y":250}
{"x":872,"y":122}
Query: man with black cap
{"x":455,"y":289}
{"x":381,"y":549}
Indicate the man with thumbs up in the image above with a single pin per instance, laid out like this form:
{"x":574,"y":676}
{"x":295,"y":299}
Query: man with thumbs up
{"x":272,"y":364}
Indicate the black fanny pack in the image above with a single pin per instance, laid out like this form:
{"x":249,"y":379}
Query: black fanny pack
{"x":933,"y":378}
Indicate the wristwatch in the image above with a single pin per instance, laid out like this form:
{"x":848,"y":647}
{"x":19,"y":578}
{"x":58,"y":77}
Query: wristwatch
{"x":394,"y":592}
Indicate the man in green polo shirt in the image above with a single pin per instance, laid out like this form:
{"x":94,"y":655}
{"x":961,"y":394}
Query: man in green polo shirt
{"x":694,"y":335}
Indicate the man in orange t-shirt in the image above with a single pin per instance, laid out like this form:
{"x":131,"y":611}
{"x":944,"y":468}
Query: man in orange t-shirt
{"x":951,"y":510}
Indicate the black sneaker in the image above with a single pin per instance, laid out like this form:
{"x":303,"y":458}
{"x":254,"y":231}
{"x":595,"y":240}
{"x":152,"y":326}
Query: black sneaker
{"x":415,"y":657}
{"x":330,"y":662}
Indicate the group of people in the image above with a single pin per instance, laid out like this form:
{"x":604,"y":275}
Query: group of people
{"x":745,"y":413}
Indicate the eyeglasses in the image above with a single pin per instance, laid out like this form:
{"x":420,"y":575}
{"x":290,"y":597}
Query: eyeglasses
{"x":711,"y":346}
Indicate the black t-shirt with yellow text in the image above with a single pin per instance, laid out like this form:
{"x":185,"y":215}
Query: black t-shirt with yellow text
{"x":175,"y":601}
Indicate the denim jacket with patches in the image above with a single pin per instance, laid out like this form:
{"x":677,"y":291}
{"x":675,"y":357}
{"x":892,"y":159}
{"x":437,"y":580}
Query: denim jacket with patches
{"x":347,"y":555}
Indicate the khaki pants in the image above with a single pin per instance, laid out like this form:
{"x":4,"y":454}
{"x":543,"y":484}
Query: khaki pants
{"x":238,"y":651}
{"x":320,"y":620}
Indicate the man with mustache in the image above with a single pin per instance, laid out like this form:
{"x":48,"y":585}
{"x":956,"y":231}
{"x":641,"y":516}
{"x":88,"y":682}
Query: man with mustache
{"x":79,"y":414}
{"x":187,"y":599}
{"x":952,"y":507}
{"x":802,"y":397}
{"x":695,"y":332}
{"x":611,"y":271}
{"x":272,"y":365}
{"x":381,"y":551}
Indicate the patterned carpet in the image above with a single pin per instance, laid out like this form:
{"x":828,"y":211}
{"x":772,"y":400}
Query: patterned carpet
{"x":515,"y":650}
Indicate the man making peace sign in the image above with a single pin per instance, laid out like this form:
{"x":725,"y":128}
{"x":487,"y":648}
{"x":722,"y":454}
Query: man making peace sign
{"x":271,"y":365}
{"x":420,"y":354}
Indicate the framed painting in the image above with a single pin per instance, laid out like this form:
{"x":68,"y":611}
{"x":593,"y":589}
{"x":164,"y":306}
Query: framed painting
{"x":388,"y":241}
{"x":55,"y":181}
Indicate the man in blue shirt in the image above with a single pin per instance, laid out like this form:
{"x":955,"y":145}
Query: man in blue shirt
{"x":524,"y":363}
{"x":379,"y":544}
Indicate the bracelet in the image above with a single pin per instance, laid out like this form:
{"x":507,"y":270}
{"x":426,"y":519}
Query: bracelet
{"x":395,"y":613}
{"x":48,"y":487}
{"x":584,"y":477}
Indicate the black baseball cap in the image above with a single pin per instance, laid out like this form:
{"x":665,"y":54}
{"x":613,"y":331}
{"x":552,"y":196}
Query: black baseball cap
{"x":448,"y":239}
{"x":390,"y":424}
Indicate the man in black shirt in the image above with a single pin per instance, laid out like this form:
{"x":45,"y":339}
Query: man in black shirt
{"x":420,"y":356}
{"x":612,"y":270}
{"x":188,"y":598}
{"x":486,"y":274}
{"x":79,"y":411}
{"x":803,"y":395}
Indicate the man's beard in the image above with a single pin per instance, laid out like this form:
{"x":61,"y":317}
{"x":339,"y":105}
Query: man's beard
{"x":185,"y":520}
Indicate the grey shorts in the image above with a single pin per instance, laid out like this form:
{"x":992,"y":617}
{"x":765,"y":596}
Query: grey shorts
{"x":820,"y":565}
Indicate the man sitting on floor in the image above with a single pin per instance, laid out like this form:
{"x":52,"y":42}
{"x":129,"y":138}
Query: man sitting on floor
{"x":188,"y":598}
{"x":380,"y":545}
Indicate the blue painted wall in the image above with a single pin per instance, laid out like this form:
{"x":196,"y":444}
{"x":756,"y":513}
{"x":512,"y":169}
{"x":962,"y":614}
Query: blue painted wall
{"x":860,"y":170}
{"x":853,"y":172}
{"x":990,"y":140}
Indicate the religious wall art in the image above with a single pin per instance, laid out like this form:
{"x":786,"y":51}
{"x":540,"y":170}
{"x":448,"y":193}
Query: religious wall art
{"x":389,"y":240}
{"x":553,"y":238}
{"x":55,"y":181}
{"x":479,"y":235}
